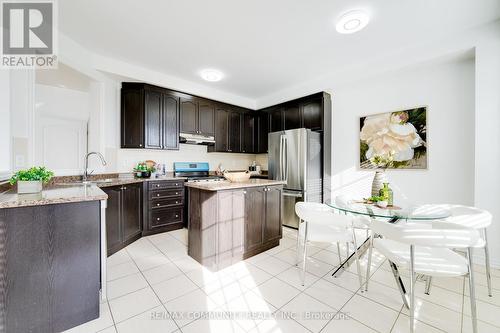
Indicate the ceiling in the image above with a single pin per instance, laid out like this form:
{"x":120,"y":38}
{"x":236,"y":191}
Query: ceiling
{"x":63,"y":77}
{"x":262,"y":46}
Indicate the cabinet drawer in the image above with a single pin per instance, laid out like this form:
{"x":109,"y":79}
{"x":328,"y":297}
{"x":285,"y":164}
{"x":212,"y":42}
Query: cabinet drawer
{"x":169,"y":193}
{"x":159,"y":185}
{"x":161,"y":217}
{"x":167,"y":202}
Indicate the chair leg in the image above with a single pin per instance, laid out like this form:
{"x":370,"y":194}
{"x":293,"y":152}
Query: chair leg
{"x":304,"y":254}
{"x":412,"y":288}
{"x":368,"y":267}
{"x":297,"y":255}
{"x":428,"y":284}
{"x":338,"y":251}
{"x":472,"y":291}
{"x":347,"y":254}
{"x":487,"y":259}
{"x":356,"y":256}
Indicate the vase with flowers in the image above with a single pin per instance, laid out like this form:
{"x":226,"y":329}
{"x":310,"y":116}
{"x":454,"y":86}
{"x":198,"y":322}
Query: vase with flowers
{"x":381,"y":163}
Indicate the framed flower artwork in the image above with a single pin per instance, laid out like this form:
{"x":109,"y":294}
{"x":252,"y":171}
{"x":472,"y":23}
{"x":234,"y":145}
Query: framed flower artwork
{"x":394,"y":140}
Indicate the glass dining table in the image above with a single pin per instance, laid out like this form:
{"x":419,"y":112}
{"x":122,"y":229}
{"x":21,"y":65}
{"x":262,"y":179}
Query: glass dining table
{"x":403,"y":213}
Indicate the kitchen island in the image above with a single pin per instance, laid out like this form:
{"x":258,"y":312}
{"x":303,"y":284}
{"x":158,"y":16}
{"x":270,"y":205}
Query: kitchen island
{"x":51,"y":258}
{"x":229,"y":222}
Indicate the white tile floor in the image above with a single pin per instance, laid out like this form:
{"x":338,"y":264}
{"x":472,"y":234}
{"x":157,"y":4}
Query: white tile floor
{"x":154,"y":286}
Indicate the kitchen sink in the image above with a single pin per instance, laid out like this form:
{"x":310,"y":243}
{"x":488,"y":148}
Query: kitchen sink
{"x":88,"y":182}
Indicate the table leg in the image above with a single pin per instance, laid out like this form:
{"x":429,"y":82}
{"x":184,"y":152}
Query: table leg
{"x":399,"y":283}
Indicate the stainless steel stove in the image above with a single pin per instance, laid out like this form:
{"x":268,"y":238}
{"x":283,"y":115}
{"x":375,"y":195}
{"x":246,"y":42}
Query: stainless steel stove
{"x":195,"y":172}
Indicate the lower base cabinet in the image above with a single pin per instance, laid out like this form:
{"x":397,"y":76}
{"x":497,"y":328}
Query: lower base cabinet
{"x":228,"y":226}
{"x":123,"y":215}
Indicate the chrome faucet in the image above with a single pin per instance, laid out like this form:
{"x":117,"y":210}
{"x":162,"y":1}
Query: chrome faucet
{"x":85,"y":173}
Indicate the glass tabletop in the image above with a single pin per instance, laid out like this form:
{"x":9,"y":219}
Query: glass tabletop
{"x":402,"y":212}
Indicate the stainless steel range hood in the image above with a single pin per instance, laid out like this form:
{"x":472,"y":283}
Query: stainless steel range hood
{"x":196,"y":139}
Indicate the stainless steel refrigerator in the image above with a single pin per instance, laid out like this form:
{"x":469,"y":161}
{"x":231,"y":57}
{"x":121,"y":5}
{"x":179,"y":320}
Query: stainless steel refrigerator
{"x":295,"y":156}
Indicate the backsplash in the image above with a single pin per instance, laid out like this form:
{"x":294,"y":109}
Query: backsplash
{"x":123,"y":160}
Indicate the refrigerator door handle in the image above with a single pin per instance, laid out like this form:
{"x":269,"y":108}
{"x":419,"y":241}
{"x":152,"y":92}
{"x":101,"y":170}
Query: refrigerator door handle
{"x":281,"y":159}
{"x":285,"y":158}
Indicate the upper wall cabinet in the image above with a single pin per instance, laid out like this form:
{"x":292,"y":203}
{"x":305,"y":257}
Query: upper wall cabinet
{"x":234,"y":130}
{"x":197,"y":116}
{"x":149,"y":117}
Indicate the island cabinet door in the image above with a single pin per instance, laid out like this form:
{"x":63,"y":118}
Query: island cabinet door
{"x":113,"y":217}
{"x":132,"y":213}
{"x":272,"y":227}
{"x":255,"y":204}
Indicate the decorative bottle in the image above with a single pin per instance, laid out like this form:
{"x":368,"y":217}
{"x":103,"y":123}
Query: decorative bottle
{"x":387,"y":194}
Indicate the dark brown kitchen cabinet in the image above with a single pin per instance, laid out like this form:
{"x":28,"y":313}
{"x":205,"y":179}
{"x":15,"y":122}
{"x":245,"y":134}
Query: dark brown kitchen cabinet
{"x":312,"y":113}
{"x":272,"y":225}
{"x":206,"y":117}
{"x":235,"y":119}
{"x":132,"y":117}
{"x":262,"y":131}
{"x":276,"y":119}
{"x":292,"y":116}
{"x":221,"y":129}
{"x":197,"y":116}
{"x":255,"y":205}
{"x":154,"y":113}
{"x":149,"y":117}
{"x":123,"y":215}
{"x":164,"y":207}
{"x":170,"y":121}
{"x":248,"y":129}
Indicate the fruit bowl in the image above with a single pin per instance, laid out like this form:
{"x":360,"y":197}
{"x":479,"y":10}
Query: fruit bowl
{"x":237,"y":177}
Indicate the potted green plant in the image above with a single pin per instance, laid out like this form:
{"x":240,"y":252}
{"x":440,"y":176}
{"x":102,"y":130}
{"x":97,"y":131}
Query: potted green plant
{"x":142,"y":170}
{"x":31,"y":180}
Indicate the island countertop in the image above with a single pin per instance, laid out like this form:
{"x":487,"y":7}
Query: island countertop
{"x":227,"y":185}
{"x":52,"y":195}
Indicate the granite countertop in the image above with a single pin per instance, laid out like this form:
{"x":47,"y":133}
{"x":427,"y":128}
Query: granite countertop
{"x":227,"y":185}
{"x":124,"y":181}
{"x":52,"y":195}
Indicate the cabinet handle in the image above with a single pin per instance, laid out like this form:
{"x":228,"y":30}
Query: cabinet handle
{"x":157,"y":219}
{"x":176,"y":215}
{"x":140,"y":145}
{"x":158,"y":195}
{"x":157,"y":204}
{"x":244,"y":192}
{"x":176,"y":192}
{"x":177,"y":202}
{"x":176,"y":184}
{"x":125,"y":188}
{"x":157,"y":185}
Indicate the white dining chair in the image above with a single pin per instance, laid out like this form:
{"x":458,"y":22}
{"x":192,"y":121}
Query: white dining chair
{"x":474,"y":218}
{"x":319,"y":223}
{"x":426,"y":248}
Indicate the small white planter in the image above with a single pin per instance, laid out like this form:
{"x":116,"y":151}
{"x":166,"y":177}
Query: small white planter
{"x":25,"y":186}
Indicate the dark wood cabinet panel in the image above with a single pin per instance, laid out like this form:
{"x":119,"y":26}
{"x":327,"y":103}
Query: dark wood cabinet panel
{"x":262,"y":132}
{"x":235,"y":121}
{"x":206,"y":117}
{"x":292,"y":116}
{"x":113,"y":217}
{"x":131,"y":211}
{"x":222,"y":130}
{"x":272,"y":227}
{"x":276,"y":119}
{"x":132,"y":118}
{"x":50,"y":266}
{"x":189,"y":116}
{"x":254,"y":217}
{"x":170,"y":122}
{"x":312,"y":113}
{"x":248,"y":145}
{"x":150,"y":117}
{"x":123,"y":216}
{"x":153,"y":114}
{"x":164,"y":207}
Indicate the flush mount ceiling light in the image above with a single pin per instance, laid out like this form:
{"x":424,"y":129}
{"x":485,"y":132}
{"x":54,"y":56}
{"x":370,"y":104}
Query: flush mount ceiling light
{"x":211,"y":75}
{"x":352,"y":22}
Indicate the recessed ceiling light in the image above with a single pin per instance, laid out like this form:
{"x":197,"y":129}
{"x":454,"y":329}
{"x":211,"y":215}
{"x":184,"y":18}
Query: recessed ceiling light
{"x":211,"y":75}
{"x":352,"y":22}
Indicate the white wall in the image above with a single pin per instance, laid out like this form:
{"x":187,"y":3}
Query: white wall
{"x":487,"y":137}
{"x":448,"y":91}
{"x":5,"y":166}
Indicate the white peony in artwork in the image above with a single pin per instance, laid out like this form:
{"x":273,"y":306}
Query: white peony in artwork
{"x":395,"y":140}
